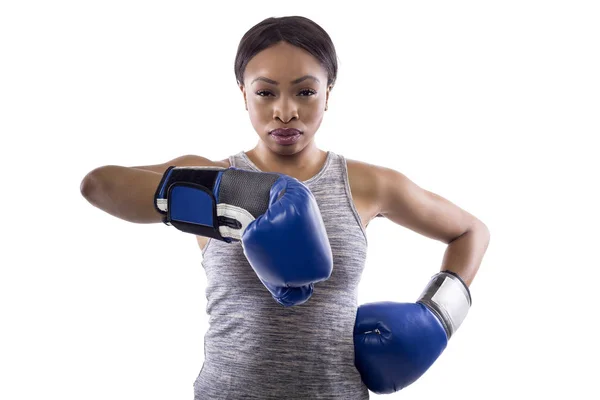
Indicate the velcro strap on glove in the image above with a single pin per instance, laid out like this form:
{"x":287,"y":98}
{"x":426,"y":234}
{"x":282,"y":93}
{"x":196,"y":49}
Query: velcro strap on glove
{"x":448,"y":298}
{"x":214,"y":202}
{"x":186,"y":197}
{"x":192,"y":209}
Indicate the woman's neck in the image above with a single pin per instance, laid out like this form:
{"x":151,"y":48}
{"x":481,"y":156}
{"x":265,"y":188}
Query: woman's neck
{"x":302,"y":165}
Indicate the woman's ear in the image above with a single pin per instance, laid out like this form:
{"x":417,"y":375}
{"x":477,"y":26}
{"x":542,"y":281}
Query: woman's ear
{"x":327,"y":96}
{"x":243,"y":89}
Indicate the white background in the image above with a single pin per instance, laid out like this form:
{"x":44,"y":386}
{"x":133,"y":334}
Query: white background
{"x":492,"y":105}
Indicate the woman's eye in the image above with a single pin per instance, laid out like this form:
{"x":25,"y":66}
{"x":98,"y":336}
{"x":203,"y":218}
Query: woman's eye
{"x":305,"y":93}
{"x":311,"y":92}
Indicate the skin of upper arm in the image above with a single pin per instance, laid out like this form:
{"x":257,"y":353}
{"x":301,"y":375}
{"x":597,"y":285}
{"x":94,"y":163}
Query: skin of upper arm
{"x":405,"y":203}
{"x":188,"y":160}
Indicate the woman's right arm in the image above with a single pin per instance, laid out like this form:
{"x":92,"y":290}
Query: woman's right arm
{"x":128,"y":192}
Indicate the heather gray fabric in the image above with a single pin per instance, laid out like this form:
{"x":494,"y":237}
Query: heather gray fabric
{"x":257,"y":349}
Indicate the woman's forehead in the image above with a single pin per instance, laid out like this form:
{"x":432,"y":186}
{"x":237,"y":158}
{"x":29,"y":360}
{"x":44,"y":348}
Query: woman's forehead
{"x":285,"y":64}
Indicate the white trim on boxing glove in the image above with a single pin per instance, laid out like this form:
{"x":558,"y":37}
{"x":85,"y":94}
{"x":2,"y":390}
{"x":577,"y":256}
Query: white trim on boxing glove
{"x":236,"y":213}
{"x":448,"y":298}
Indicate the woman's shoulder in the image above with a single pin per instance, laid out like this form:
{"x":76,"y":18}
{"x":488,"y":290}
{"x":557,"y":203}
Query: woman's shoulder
{"x":365,"y":178}
{"x":188,"y":160}
{"x":366,"y":173}
{"x":196,"y":160}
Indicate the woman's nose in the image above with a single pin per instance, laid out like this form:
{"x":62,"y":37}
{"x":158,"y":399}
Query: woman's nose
{"x":285,"y":109}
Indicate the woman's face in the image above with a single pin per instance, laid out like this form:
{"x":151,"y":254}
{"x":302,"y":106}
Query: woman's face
{"x":285,"y":87}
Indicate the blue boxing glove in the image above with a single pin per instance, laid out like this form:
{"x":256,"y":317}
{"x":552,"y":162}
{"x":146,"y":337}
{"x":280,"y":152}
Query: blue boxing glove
{"x":276,"y":218}
{"x":395,"y":343}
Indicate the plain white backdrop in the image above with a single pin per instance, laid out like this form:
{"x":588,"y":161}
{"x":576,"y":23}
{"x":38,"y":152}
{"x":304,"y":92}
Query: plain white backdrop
{"x":492,"y":105}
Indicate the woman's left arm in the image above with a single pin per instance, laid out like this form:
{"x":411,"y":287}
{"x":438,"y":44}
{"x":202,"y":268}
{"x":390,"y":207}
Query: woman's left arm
{"x":405,"y":203}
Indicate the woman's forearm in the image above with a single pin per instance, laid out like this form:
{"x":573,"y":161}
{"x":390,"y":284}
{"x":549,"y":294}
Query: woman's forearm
{"x":465,"y":254}
{"x":126,"y":193}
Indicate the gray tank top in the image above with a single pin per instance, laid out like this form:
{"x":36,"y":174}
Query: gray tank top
{"x":255,"y":348}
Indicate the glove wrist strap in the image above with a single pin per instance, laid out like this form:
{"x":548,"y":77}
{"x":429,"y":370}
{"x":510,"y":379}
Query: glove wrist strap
{"x":185,"y":197}
{"x":212,"y":201}
{"x":448,"y":298}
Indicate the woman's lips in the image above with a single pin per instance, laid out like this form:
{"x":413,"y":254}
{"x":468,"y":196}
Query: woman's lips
{"x":285,"y":132}
{"x":286,"y":136}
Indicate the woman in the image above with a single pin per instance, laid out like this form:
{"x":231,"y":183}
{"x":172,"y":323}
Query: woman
{"x":255,"y":348}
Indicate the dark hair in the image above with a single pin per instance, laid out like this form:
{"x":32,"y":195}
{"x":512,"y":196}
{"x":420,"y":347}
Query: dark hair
{"x":297,"y":31}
